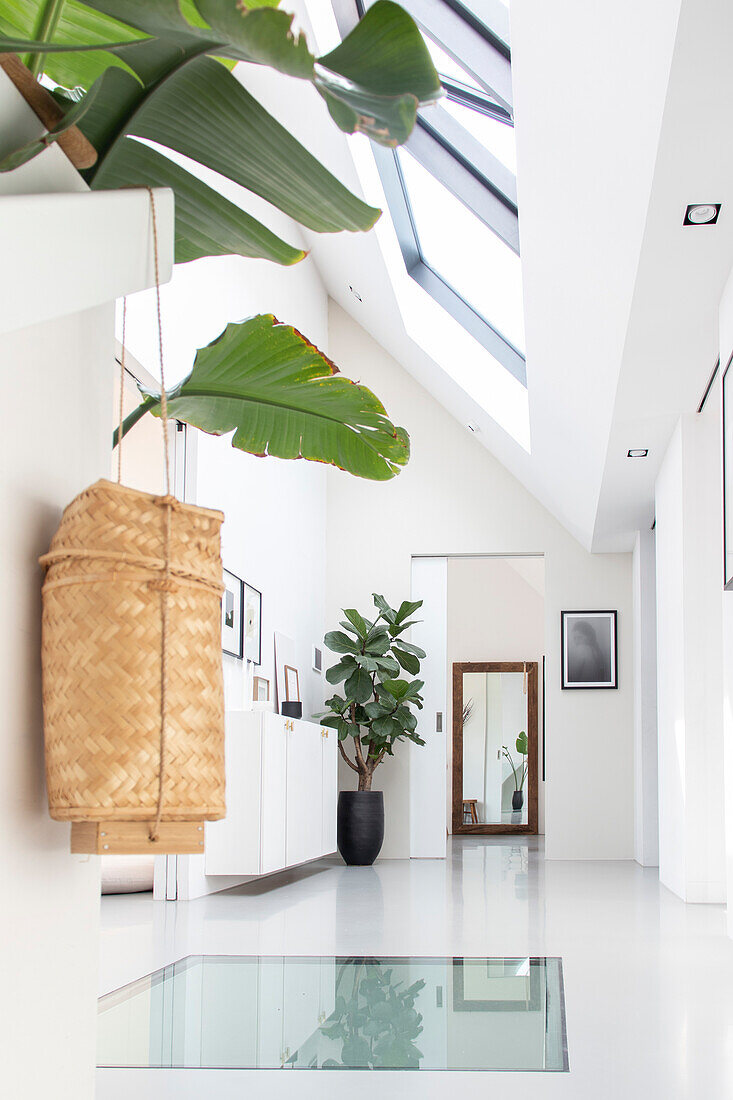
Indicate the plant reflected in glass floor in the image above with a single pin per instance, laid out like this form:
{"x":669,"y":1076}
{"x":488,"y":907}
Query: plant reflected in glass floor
{"x":375,"y":1019}
{"x":326,"y":1012}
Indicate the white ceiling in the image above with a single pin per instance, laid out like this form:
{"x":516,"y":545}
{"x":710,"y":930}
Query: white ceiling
{"x":622,"y":118}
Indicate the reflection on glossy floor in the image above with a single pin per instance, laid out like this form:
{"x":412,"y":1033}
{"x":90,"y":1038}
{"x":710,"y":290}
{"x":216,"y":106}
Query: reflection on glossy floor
{"x":648,"y":979}
{"x":328,"y":1012}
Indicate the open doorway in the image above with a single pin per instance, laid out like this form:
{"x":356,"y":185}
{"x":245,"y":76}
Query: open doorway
{"x":495,"y":612}
{"x":479,"y":609}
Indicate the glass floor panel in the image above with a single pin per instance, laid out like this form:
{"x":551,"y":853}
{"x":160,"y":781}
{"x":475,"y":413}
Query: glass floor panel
{"x":249,"y":1012}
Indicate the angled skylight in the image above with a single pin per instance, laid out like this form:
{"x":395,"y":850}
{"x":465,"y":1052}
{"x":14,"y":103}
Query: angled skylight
{"x":452,"y":188}
{"x":457,"y":245}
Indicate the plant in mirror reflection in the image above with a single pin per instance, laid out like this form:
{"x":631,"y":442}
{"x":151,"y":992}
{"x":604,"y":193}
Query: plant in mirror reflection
{"x":374,"y":1018}
{"x":467,"y":712}
{"x":522,"y":748}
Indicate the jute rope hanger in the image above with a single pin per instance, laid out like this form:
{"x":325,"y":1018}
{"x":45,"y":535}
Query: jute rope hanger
{"x":168,"y":503}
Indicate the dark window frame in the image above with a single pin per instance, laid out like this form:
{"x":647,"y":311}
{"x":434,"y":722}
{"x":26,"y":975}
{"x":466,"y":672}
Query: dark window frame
{"x":454,"y":157}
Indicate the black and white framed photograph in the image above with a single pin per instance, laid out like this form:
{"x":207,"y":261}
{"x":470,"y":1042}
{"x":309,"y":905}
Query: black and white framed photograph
{"x":728,"y":477}
{"x":589,"y":649}
{"x":252,"y":624}
{"x":232,"y":637}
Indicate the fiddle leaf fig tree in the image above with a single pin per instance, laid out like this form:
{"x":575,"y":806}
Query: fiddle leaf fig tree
{"x":374,"y":1019}
{"x":374,"y":704}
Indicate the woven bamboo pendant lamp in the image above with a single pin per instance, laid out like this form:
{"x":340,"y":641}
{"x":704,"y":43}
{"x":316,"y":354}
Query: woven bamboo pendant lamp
{"x":133,"y":698}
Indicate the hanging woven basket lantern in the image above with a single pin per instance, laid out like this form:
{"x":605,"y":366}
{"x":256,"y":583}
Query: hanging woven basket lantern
{"x":108,"y":760}
{"x":133,"y":692}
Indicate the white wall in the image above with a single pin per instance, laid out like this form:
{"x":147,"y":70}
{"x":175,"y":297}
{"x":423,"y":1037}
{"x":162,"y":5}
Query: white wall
{"x":689,"y":661}
{"x":646,"y":807}
{"x":56,"y":387}
{"x":496,"y":612}
{"x":56,"y":390}
{"x":454,"y":497}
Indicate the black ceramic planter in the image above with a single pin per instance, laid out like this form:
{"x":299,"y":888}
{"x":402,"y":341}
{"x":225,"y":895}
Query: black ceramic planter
{"x":517,"y":800}
{"x":360,"y":826}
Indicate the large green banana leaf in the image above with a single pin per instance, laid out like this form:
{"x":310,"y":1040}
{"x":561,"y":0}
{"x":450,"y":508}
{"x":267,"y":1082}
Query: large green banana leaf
{"x":281,"y":396}
{"x":168,"y":89}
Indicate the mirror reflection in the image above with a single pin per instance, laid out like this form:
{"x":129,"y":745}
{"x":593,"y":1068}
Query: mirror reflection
{"x":495,"y":748}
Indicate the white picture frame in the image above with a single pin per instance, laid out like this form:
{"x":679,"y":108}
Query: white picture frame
{"x":252,"y":624}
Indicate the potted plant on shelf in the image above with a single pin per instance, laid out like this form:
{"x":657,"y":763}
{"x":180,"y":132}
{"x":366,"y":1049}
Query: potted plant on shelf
{"x":519,"y":776}
{"x":374,"y":709}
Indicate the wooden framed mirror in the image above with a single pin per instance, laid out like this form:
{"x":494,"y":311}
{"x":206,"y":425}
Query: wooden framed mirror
{"x":494,"y":781}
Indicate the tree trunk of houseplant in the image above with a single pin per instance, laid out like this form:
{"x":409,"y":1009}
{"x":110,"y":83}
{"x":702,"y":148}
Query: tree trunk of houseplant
{"x":360,"y":832}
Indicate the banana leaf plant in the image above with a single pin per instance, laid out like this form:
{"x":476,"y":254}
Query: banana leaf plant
{"x":148,"y":71}
{"x":132,"y":72}
{"x":281,"y":396}
{"x":129,"y":72}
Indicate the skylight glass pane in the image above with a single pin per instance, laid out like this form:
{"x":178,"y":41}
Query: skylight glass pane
{"x":483,"y":270}
{"x":494,"y":135}
{"x":446,"y":66}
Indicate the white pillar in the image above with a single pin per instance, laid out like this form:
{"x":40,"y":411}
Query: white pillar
{"x":690,"y":661}
{"x":428,"y":762}
{"x":646,"y":808}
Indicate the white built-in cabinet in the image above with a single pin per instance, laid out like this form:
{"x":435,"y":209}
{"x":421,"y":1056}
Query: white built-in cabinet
{"x":282,"y":790}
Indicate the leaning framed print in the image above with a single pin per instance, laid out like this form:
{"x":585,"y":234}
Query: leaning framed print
{"x":252,"y":624}
{"x":260,"y":689}
{"x":232,"y":635}
{"x":292,"y":685}
{"x":589,"y":649}
{"x":728,"y":476}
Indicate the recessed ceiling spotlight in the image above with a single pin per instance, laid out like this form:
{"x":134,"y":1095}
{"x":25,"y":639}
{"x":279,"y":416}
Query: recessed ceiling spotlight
{"x":702,"y":213}
{"x":637,"y":452}
{"x":356,"y":294}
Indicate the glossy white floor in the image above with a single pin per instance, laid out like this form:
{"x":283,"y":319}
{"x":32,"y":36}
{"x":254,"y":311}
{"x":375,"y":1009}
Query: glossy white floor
{"x":648,"y":979}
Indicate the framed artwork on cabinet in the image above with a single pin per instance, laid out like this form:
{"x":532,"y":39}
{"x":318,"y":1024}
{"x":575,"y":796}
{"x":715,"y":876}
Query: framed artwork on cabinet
{"x":260,"y":689}
{"x":292,"y":685}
